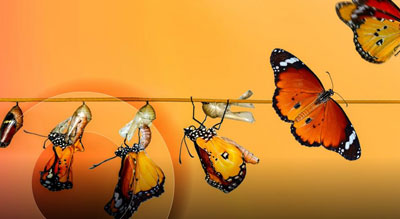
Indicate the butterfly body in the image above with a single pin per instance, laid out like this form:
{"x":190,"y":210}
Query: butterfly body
{"x":66,"y":139}
{"x":376,"y":27}
{"x":316,"y":118}
{"x":222,"y":160}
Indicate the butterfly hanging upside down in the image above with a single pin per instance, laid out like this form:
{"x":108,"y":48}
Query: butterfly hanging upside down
{"x":66,"y":138}
{"x":139,"y":177}
{"x":223,"y":160}
{"x":316,"y":118}
{"x":376,"y":27}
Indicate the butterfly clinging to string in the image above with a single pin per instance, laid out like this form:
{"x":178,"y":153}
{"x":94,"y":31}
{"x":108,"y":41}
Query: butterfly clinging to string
{"x":139,"y":177}
{"x":223,"y":160}
{"x":317,"y":119}
{"x":66,"y":138}
{"x":376,"y":27}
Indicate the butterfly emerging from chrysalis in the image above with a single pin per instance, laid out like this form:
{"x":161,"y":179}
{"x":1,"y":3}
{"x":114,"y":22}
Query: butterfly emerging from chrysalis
{"x":375,"y":24}
{"x":66,"y":138}
{"x":139,"y":177}
{"x":223,"y":160}
{"x":317,"y":119}
{"x":12,"y":122}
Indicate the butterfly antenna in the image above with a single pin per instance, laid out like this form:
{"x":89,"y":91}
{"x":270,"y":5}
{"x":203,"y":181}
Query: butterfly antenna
{"x":191,"y":100}
{"x":187,"y":148}
{"x":330,"y":78}
{"x":223,"y":116}
{"x":96,"y":165}
{"x":32,"y":133}
{"x":342,"y":99}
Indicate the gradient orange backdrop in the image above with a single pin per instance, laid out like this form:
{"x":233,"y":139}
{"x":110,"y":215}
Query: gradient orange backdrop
{"x":213,"y":49}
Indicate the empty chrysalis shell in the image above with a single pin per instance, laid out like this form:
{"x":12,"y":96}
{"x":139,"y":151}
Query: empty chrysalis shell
{"x":12,"y":122}
{"x":79,"y":120}
{"x":215,"y":110}
{"x":144,"y":116}
{"x":70,"y":130}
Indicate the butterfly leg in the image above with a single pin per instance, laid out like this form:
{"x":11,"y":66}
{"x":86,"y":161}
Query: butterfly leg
{"x":125,"y":143}
{"x":222,"y":118}
{"x":191,"y":99}
{"x":80,"y":140}
{"x":205,"y":118}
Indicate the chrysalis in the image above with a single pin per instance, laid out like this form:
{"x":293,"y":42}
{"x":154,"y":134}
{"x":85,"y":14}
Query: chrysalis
{"x":11,"y":124}
{"x":144,"y":116}
{"x":215,"y":110}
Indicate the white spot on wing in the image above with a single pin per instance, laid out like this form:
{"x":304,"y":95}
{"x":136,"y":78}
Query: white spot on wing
{"x":289,"y":61}
{"x":350,"y":141}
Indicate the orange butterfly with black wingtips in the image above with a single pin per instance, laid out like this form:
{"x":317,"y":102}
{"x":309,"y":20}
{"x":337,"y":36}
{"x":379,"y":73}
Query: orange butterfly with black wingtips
{"x":375,"y":24}
{"x":66,"y":138}
{"x":223,"y":160}
{"x":139,"y":177}
{"x":300,"y":99}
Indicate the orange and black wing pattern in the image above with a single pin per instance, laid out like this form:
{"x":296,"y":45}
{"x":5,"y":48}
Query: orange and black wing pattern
{"x":296,"y":85}
{"x":139,"y":180}
{"x":375,"y":24}
{"x":316,"y":118}
{"x":12,"y":122}
{"x":57,"y":174}
{"x":222,"y":162}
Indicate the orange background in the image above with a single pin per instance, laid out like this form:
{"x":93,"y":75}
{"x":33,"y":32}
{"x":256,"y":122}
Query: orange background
{"x":213,"y":49}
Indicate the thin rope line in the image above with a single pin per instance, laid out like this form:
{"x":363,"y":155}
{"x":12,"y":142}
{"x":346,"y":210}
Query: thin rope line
{"x":149,"y":99}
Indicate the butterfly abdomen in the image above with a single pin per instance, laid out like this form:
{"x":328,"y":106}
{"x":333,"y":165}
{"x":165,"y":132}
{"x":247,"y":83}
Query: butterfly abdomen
{"x":145,"y":136}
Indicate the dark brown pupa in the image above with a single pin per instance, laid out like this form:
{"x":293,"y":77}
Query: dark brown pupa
{"x":11,"y":124}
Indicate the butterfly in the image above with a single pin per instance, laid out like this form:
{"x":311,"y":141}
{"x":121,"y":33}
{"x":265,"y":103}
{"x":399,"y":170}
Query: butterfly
{"x":375,"y":24}
{"x":317,"y":119}
{"x":66,"y":138}
{"x":223,"y":160}
{"x":139,"y":177}
{"x":12,"y":122}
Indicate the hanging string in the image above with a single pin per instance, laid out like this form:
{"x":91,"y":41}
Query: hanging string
{"x":149,"y":99}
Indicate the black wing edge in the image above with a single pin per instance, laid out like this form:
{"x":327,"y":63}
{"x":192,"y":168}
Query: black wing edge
{"x":277,"y":57}
{"x":350,"y":148}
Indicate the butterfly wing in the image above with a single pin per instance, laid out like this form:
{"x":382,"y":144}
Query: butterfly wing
{"x":139,"y":179}
{"x":57,"y":174}
{"x":222,"y":162}
{"x":11,"y":124}
{"x":386,"y":6}
{"x":247,"y":155}
{"x":376,"y":32}
{"x":296,"y":85}
{"x":149,"y":180}
{"x":338,"y":133}
{"x":328,"y":125}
